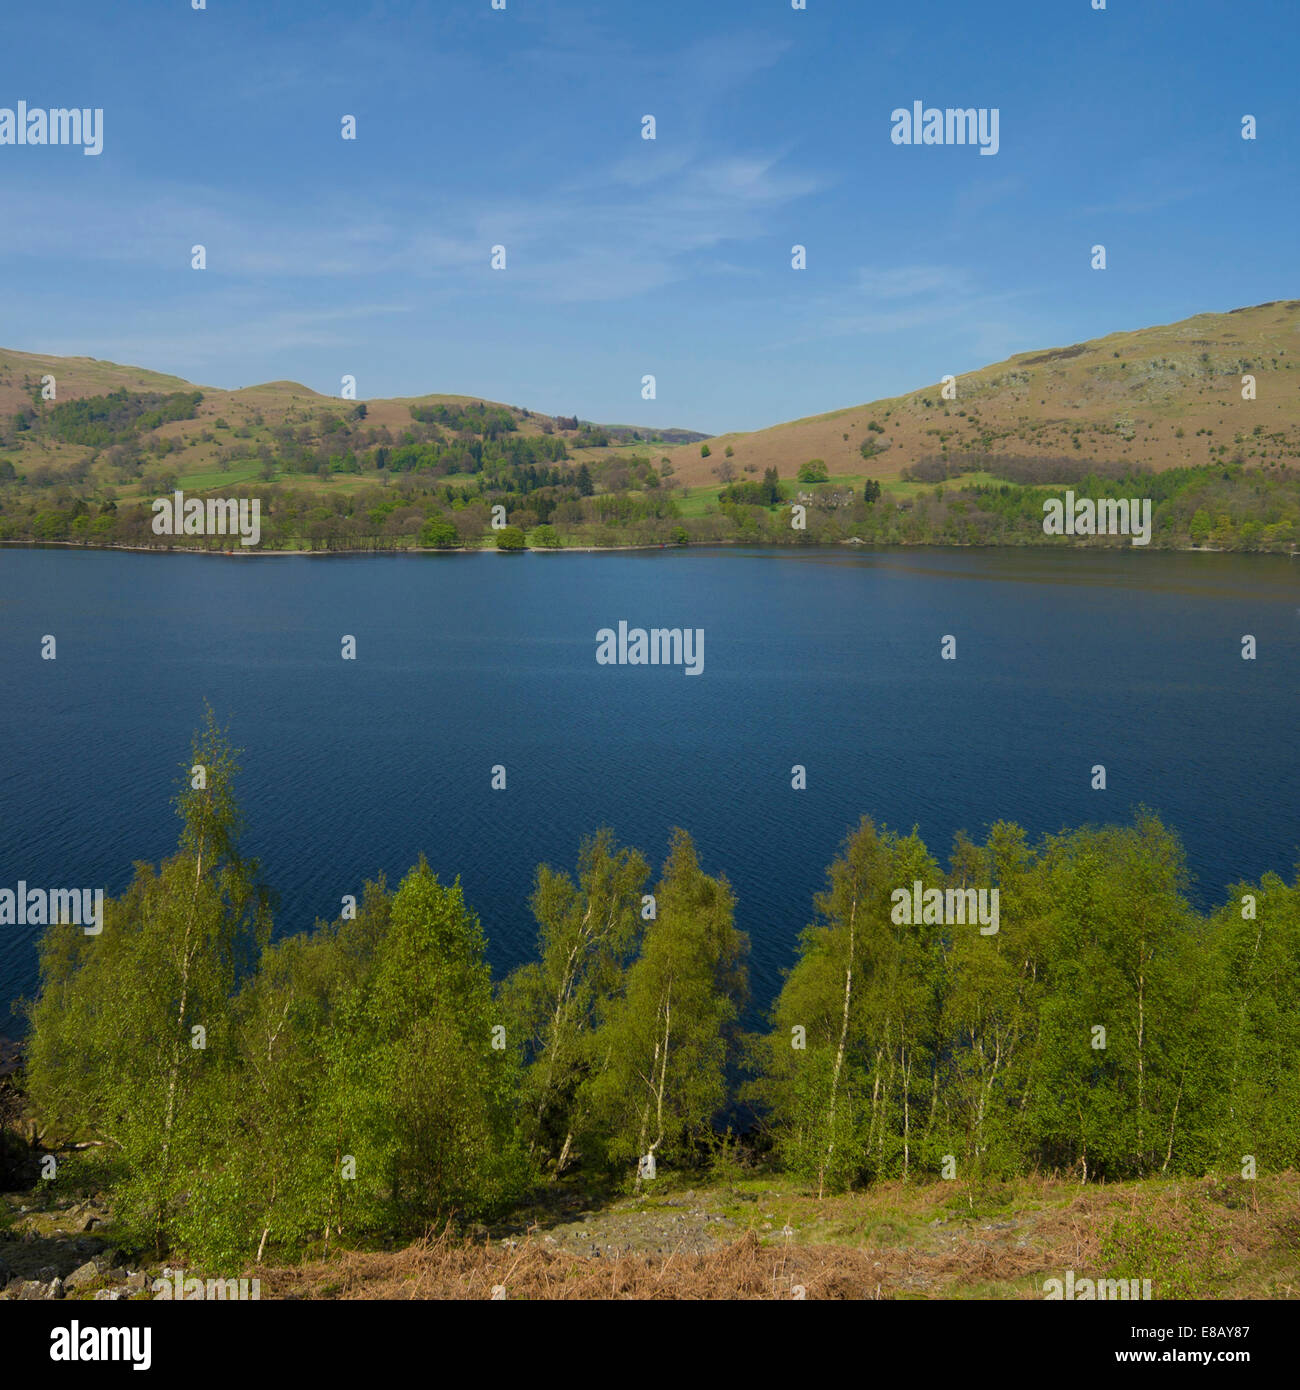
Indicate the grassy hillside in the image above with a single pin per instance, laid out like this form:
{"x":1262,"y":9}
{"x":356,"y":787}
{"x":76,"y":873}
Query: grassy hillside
{"x":915,"y":469}
{"x":1167,"y":396}
{"x":247,"y":418}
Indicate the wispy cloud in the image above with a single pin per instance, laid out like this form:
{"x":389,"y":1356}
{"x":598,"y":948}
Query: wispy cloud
{"x":613,"y":234}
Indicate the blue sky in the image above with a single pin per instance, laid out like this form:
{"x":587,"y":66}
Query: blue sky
{"x":625,"y":256}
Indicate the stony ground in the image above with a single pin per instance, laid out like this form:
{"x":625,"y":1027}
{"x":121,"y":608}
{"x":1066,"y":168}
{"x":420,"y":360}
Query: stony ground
{"x":55,"y":1252}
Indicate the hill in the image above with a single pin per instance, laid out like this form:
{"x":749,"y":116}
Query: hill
{"x":1166,"y":396}
{"x":1158,"y":413}
{"x":253,"y":412}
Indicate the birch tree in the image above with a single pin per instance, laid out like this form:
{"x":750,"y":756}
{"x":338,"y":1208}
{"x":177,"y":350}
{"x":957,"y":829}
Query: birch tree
{"x":666,"y":1047}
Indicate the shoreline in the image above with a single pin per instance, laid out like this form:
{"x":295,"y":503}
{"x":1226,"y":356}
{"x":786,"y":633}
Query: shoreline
{"x":250,"y":552}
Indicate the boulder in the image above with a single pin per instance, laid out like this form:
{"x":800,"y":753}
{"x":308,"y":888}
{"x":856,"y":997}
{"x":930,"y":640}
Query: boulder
{"x":84,"y":1276}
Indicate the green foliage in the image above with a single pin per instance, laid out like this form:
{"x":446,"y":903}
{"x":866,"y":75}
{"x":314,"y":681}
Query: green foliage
{"x":940,"y":1040}
{"x":114,"y":1054}
{"x":670,"y":1035}
{"x":1183,"y":1261}
{"x":365,"y":1079}
{"x":342,"y":1082}
{"x":768,"y":493}
{"x":101,"y":421}
{"x":489,"y":421}
{"x":511,"y":538}
{"x":814,"y":471}
{"x":439,"y":533}
{"x":588,"y":932}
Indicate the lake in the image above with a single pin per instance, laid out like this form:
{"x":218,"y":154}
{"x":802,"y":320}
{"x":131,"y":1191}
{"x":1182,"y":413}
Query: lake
{"x":825,"y":658}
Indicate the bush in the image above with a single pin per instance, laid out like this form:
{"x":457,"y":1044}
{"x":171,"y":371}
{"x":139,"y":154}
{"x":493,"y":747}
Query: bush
{"x":814,"y":471}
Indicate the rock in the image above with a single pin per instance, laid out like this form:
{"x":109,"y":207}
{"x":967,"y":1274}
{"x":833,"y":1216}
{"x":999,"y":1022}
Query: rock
{"x":109,"y":1295}
{"x":34,"y":1290}
{"x":85,"y":1275}
{"x":137,"y":1281}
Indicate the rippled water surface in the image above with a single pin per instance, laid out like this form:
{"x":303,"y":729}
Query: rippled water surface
{"x":828,"y":659}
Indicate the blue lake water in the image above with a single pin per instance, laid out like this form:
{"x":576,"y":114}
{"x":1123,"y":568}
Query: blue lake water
{"x":830,"y":659}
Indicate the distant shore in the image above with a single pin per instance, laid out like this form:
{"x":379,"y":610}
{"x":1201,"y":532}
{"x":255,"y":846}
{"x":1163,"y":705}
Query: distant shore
{"x":251,"y":552}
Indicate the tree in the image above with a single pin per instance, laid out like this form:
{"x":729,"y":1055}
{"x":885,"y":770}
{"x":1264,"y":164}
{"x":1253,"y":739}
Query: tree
{"x":587,"y":933}
{"x":669,"y":1038}
{"x":439,"y":533}
{"x":115,"y":1055}
{"x":1117,"y":954}
{"x":705,"y":451}
{"x":511,"y":538}
{"x":849,"y":1101}
{"x":814,"y":471}
{"x":299,"y":1086}
{"x":440,"y":1124}
{"x":1256,"y":1083}
{"x":547,"y":537}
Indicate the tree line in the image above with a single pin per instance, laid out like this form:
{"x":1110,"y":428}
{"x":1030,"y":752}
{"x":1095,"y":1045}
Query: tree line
{"x":241,"y":1093}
